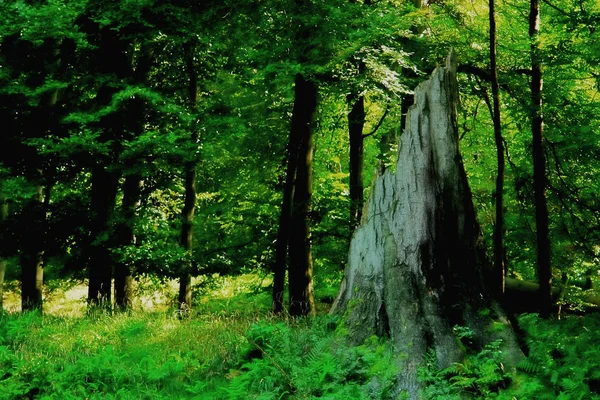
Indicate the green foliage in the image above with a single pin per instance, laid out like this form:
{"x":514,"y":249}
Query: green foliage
{"x":305,"y":359}
{"x":479,"y":376}
{"x":562,"y":363}
{"x":563,"y":359}
{"x":127,"y":356}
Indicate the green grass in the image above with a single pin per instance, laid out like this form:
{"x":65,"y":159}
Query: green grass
{"x":231,"y":347}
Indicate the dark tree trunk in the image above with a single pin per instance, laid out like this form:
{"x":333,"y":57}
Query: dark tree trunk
{"x":104,"y":192}
{"x":3,"y":234}
{"x":134,"y":125}
{"x":415,"y":267}
{"x":285,"y":217}
{"x":499,"y":272}
{"x":32,"y":256}
{"x":44,"y":120}
{"x":389,"y":140}
{"x":356,"y":123}
{"x":407,"y":101}
{"x":300,"y":270}
{"x":187,"y":214}
{"x":113,"y":60}
{"x":185,"y":280}
{"x":126,"y":237}
{"x":539,"y":165}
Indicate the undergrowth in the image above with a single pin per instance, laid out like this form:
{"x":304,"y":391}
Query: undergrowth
{"x":231,"y":347}
{"x":306,"y":359}
{"x":563,"y":363}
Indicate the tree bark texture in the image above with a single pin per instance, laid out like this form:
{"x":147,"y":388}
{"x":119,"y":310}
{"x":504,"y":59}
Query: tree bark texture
{"x":539,"y":165}
{"x":187,"y":213}
{"x":300,"y":285}
{"x":499,"y":271}
{"x":356,"y":123}
{"x":415,"y":264}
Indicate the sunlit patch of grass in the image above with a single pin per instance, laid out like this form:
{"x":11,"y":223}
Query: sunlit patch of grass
{"x":154,"y":352}
{"x":148,"y":353}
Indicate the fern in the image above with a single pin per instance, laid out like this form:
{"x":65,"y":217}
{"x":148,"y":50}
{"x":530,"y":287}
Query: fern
{"x":529,"y":366}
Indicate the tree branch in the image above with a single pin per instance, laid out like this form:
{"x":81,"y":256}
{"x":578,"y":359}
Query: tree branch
{"x":387,"y":109}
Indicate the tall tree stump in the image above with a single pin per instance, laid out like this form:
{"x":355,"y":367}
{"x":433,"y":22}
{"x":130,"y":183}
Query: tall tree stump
{"x":416,"y":267}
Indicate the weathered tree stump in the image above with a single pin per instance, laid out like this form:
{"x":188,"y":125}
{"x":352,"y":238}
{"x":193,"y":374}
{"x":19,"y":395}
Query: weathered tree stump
{"x":416,"y":267}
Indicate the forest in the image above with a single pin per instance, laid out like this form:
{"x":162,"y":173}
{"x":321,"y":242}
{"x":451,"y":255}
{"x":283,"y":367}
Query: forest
{"x":299,"y":199}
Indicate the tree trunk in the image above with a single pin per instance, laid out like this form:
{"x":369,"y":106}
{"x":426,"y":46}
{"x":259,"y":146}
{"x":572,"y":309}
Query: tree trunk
{"x":300,"y":271}
{"x":113,"y":59}
{"x":3,"y":233}
{"x":185,"y":280}
{"x":499,"y":272}
{"x":539,"y":165}
{"x":285,"y":217}
{"x":134,"y":125}
{"x":187,"y":214}
{"x":356,"y":123}
{"x":415,"y":265}
{"x":32,"y":256}
{"x":104,"y":193}
{"x":126,"y":237}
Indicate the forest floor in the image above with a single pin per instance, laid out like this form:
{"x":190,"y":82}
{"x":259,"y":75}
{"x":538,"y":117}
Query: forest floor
{"x":231,"y":347}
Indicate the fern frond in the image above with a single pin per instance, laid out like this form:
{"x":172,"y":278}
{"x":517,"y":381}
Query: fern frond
{"x":529,"y":366}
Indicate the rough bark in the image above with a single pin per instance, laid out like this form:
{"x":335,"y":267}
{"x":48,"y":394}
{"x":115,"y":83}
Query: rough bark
{"x":187,"y":213}
{"x":539,"y":165}
{"x":3,"y":216}
{"x":415,"y":266}
{"x":356,"y":123}
{"x":300,"y":282}
{"x":499,"y":272}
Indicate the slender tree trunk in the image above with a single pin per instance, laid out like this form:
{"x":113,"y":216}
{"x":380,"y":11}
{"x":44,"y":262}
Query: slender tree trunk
{"x":405,"y":104}
{"x":285,"y":217}
{"x":3,"y":216}
{"x":134,"y":125}
{"x":104,"y":193}
{"x":499,"y":271}
{"x":356,"y":123}
{"x":32,"y":257}
{"x":185,"y":280}
{"x":33,"y":246}
{"x":300,"y":270}
{"x":123,"y":270}
{"x":539,"y":165}
{"x":390,"y":139}
{"x":187,"y":214}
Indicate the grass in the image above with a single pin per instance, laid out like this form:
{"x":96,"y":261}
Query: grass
{"x":143,"y":354}
{"x":231,"y":347}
